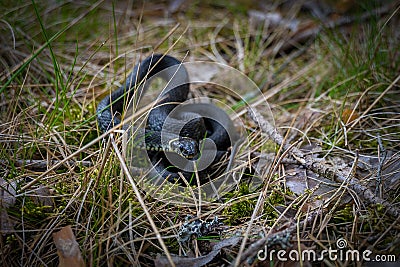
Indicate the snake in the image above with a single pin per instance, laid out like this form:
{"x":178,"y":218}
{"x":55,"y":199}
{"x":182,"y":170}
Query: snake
{"x":181,"y":134}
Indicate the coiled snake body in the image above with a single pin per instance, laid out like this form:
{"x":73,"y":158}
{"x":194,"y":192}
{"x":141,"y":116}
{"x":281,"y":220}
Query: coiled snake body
{"x":182,"y":132}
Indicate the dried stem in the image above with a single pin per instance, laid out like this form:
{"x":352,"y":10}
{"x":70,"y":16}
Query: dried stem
{"x":321,"y":168}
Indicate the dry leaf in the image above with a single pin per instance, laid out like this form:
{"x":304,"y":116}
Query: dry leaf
{"x":7,"y":199}
{"x":349,"y":115}
{"x":67,"y":248}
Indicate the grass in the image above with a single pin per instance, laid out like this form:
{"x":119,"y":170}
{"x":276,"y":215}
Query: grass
{"x":338,"y":94}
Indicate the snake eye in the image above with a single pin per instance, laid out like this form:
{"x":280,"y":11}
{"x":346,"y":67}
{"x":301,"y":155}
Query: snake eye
{"x":184,"y":146}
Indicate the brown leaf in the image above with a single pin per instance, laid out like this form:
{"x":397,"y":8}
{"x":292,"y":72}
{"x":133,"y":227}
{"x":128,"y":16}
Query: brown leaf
{"x":67,"y":248}
{"x":349,"y":115}
{"x":303,"y":180}
{"x":7,"y":199}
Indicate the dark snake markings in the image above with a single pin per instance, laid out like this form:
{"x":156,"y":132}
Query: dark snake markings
{"x":169,"y":131}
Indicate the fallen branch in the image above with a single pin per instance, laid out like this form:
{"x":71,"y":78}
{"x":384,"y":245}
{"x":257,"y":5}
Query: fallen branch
{"x":281,"y":238}
{"x":320,"y":167}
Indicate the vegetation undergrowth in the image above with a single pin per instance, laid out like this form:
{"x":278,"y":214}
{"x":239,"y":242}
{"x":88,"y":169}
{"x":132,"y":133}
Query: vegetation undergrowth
{"x":335,"y":96}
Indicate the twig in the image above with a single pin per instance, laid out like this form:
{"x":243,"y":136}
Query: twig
{"x":322,"y":168}
{"x":275,"y":238}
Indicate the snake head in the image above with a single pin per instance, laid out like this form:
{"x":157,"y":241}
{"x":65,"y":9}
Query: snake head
{"x":185,"y":146}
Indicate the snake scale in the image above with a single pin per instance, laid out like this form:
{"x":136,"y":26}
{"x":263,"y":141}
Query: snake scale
{"x":183,"y":132}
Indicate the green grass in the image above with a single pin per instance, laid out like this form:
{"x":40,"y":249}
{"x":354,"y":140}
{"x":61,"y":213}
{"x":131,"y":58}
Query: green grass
{"x":68,"y":56}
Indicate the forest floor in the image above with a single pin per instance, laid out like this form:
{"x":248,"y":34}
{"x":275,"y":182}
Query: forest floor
{"x":312,"y":87}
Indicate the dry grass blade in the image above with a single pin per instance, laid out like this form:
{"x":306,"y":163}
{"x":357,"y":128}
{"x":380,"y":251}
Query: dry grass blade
{"x":331,"y":82}
{"x":323,"y":169}
{"x":277,"y":237}
{"x":140,"y":199}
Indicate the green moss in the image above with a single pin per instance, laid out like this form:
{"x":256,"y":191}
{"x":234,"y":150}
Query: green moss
{"x":274,"y":199}
{"x":241,"y":211}
{"x":344,"y":214}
